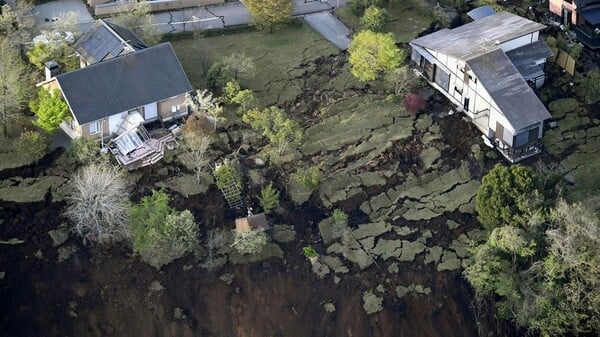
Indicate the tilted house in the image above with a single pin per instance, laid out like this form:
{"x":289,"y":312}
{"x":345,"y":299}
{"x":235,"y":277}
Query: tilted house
{"x":583,"y":16}
{"x":488,"y":68}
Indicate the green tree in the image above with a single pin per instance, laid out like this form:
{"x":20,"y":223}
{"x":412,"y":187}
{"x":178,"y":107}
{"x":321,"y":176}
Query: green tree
{"x":309,"y":252}
{"x":358,"y":7}
{"x":14,"y":87}
{"x":269,"y":198}
{"x":218,"y":75}
{"x":86,"y":150}
{"x":50,"y":110}
{"x":375,"y":19}
{"x":373,"y":55}
{"x":506,"y":195}
{"x":591,"y":86}
{"x":160,"y":233}
{"x":140,"y":21}
{"x":16,"y":23}
{"x":32,"y":145}
{"x":275,"y":125}
{"x":58,"y":51}
{"x":225,"y":174}
{"x":270,"y":13}
{"x":309,"y":178}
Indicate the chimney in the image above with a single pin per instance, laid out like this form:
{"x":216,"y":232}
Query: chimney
{"x":51,"y":68}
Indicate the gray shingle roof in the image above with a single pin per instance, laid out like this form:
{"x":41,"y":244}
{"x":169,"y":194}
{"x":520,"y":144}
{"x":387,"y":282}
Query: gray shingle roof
{"x":478,"y":37}
{"x":124,"y":83}
{"x":510,"y":91}
{"x":105,"y":40}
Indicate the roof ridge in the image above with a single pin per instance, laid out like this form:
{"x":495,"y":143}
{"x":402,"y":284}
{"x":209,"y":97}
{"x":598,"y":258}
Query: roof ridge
{"x":114,"y":32}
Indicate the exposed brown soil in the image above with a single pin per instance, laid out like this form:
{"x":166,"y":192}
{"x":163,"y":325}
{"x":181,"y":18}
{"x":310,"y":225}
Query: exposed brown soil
{"x":111,"y":294}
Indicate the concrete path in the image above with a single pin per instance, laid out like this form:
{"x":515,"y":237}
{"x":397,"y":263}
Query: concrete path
{"x":330,"y":27}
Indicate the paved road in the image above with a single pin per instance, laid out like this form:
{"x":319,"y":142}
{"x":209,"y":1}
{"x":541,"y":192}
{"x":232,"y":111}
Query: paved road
{"x":208,"y":17}
{"x":330,"y":27}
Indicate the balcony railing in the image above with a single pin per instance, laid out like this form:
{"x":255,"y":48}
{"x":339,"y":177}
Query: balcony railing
{"x":520,"y":153}
{"x":590,"y":36}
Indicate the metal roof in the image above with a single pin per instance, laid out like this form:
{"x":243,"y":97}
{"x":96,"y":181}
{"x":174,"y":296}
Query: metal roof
{"x":478,"y":37}
{"x":508,"y":89}
{"x":105,"y":40}
{"x":591,"y":15}
{"x":527,"y":58}
{"x":124,"y":83}
{"x":481,"y":12}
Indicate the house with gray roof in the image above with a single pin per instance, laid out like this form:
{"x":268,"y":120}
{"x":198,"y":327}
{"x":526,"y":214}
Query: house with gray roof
{"x":489,"y":69}
{"x":149,"y":83}
{"x":106,"y":40}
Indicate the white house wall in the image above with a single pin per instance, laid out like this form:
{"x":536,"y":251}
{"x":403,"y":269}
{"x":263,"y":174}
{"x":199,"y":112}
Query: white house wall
{"x":479,"y":99}
{"x":115,"y":121}
{"x":519,"y":42}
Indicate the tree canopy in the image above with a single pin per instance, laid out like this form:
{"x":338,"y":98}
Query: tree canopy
{"x":268,"y":14}
{"x":372,"y":55}
{"x":506,"y":195}
{"x":50,"y":110}
{"x":160,"y":233}
{"x":141,"y":22}
{"x":14,"y":88}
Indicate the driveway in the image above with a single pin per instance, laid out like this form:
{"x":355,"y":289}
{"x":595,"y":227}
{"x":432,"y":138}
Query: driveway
{"x":46,"y":14}
{"x":330,"y":27}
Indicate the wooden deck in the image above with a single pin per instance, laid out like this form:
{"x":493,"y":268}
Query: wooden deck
{"x":149,"y":153}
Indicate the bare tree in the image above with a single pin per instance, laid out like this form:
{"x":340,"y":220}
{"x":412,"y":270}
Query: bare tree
{"x":241,"y":65}
{"x":99,"y":205}
{"x":195,"y":156}
{"x":204,"y":104}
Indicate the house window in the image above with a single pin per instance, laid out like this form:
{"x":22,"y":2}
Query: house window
{"x":458,"y":90}
{"x":173,"y":109}
{"x":94,"y":127}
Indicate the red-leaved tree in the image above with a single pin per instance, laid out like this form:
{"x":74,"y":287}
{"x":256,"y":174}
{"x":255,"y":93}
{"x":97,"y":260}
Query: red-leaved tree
{"x":414,"y":103}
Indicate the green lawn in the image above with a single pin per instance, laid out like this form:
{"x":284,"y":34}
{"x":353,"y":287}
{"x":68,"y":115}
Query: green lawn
{"x":280,"y":58}
{"x":406,"y":20}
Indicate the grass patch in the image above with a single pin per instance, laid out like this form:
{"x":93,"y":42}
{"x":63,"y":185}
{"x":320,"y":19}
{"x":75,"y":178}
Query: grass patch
{"x":407,"y":20}
{"x":279,"y":57}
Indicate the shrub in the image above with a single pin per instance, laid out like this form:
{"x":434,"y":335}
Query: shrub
{"x":98,"y":204}
{"x":375,"y":19}
{"x":591,"y":86}
{"x":506,"y":195}
{"x":309,"y":252}
{"x":32,"y":145}
{"x":231,"y":89}
{"x":251,"y":242}
{"x":309,"y":178}
{"x":85,"y":150}
{"x":225,"y":175}
{"x":414,"y":103}
{"x":218,"y":75}
{"x":50,"y":110}
{"x":340,"y":221}
{"x":269,"y":198}
{"x":161,"y":234}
